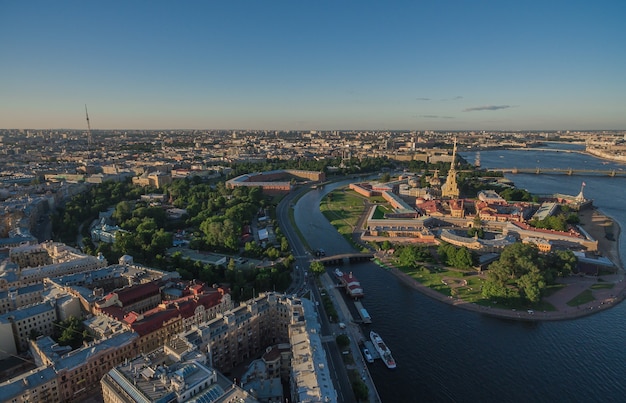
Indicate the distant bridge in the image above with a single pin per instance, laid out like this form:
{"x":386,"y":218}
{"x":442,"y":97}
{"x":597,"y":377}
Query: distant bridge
{"x":560,"y":171}
{"x":345,"y":258}
{"x":552,"y":150}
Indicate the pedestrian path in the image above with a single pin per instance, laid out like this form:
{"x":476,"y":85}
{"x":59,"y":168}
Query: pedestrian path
{"x":353,"y":331}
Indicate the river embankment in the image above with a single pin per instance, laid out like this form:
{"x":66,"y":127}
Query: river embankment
{"x":599,"y":226}
{"x":605,"y":155}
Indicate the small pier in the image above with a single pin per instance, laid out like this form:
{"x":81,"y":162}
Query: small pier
{"x":365,"y":316}
{"x":370,"y":346}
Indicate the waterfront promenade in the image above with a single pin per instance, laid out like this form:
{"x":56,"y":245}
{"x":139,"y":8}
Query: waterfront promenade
{"x":354,"y":332}
{"x":600,"y":227}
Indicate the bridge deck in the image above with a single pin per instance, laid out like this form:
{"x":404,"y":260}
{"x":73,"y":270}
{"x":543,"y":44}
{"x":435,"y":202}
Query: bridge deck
{"x":358,"y":257}
{"x":561,"y":171}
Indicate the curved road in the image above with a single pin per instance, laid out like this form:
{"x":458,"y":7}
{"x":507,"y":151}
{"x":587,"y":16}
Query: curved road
{"x":319,"y":233}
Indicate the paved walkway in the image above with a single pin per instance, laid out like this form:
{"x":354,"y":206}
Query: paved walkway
{"x":354,"y":332}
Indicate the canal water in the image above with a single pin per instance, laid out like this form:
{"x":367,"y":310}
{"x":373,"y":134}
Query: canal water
{"x":446,"y":354}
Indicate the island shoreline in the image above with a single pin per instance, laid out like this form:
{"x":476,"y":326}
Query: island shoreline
{"x":596,"y":224}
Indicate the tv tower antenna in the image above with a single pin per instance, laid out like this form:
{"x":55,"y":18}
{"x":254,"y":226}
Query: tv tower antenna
{"x":89,"y":139}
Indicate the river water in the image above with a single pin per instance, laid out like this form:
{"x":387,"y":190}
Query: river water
{"x":446,"y":354}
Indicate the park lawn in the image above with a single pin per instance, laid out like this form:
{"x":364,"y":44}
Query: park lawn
{"x":292,"y":220}
{"x":435,"y":278}
{"x":379,"y":213}
{"x":539,"y":306}
{"x":377,"y":199}
{"x":544,"y":306}
{"x":472,"y":291}
{"x":601,"y":286}
{"x":342,"y":210}
{"x":582,"y":298}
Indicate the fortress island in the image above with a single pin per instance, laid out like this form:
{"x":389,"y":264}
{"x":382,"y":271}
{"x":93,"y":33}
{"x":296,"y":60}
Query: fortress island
{"x":573,"y":245}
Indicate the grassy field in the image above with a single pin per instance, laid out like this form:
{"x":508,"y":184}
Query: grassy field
{"x":292,"y":221}
{"x":601,"y":286}
{"x":343,"y":208}
{"x":380,"y":212}
{"x":463,"y":285}
{"x":582,"y":298}
{"x":466,"y":286}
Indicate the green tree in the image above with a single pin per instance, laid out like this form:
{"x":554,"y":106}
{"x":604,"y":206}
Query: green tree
{"x":361,"y":391}
{"x":272,"y":253}
{"x":343,"y":341}
{"x":123,"y":211}
{"x":70,"y":332}
{"x":317,"y":268}
{"x":522,"y":273}
{"x":461,"y":258}
{"x":412,"y":255}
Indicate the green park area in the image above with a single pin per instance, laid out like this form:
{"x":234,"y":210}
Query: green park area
{"x":518,"y":280}
{"x":467,"y":286}
{"x":602,"y":286}
{"x":582,"y":298}
{"x":343,"y":208}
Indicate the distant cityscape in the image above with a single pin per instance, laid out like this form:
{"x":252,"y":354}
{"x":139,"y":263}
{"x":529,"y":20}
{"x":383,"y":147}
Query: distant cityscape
{"x":92,"y":157}
{"x":153,"y":336}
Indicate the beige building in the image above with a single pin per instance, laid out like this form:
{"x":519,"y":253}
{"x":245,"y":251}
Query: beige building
{"x":450,"y":188}
{"x":18,"y":297}
{"x":78,"y":372}
{"x":30,"y":256}
{"x":16,"y":327}
{"x":61,"y":260}
{"x":38,"y":385}
{"x":155,"y":179}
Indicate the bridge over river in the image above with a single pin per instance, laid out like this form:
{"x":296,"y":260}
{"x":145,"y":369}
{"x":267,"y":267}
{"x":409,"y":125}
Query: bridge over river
{"x":561,"y":171}
{"x":345,"y":258}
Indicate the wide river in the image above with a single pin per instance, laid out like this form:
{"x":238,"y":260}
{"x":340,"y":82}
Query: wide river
{"x":445,"y":354}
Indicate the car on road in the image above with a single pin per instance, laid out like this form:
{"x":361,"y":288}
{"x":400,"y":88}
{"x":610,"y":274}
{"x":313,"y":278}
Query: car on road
{"x":368,"y":355}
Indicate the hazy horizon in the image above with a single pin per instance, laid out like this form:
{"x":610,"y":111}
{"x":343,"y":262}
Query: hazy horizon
{"x":406,"y":65}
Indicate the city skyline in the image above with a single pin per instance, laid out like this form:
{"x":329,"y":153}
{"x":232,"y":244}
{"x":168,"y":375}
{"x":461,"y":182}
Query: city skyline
{"x":314,"y":66}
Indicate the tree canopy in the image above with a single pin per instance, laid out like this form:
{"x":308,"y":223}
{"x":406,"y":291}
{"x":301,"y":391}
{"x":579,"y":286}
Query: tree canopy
{"x":317,"y":268}
{"x":70,"y":332}
{"x":522,"y":273}
{"x":458,"y":257}
{"x":412,"y":256}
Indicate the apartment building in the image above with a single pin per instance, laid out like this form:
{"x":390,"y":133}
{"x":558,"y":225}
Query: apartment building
{"x":61,"y":260}
{"x":176,"y":372}
{"x":79,"y":371}
{"x":16,"y":327}
{"x":38,"y":385}
{"x":15,"y":298}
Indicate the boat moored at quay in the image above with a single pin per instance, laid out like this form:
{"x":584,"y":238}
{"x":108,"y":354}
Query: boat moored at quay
{"x":383,"y":350}
{"x":351,"y":284}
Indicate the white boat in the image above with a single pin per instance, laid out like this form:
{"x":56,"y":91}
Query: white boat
{"x":383,"y":350}
{"x":338,"y":273}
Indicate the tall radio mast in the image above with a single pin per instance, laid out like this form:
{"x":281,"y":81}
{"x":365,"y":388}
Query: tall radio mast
{"x":89,"y":139}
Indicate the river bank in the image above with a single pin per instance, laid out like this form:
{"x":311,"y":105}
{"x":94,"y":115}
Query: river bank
{"x":600,"y":227}
{"x":608,"y":156}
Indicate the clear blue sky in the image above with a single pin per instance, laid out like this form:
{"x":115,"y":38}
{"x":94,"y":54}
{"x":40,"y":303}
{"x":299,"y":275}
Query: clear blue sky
{"x":303,"y":64}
